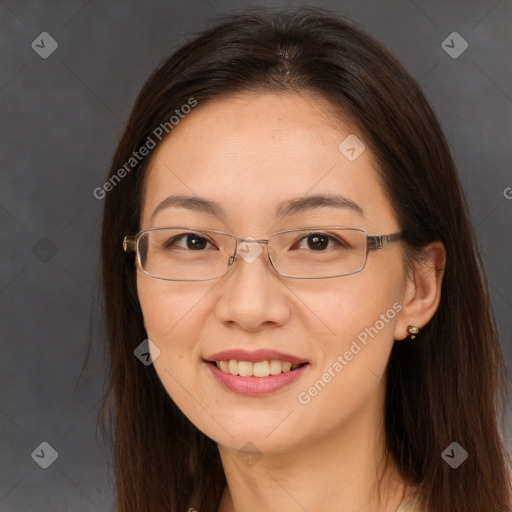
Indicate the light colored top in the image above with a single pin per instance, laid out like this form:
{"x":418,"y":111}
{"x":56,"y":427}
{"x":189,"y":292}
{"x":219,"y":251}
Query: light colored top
{"x":408,"y":504}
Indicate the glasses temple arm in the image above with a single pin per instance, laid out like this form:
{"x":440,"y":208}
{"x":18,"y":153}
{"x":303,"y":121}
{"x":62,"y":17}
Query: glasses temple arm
{"x":380,"y":241}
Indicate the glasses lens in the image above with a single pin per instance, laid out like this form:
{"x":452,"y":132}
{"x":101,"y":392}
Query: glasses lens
{"x":319,"y":253}
{"x":184,"y":254}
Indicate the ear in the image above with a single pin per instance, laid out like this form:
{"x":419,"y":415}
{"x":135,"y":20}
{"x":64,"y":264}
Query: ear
{"x":423,"y":290}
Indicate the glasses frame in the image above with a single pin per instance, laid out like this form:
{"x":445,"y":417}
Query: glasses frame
{"x":373,"y":242}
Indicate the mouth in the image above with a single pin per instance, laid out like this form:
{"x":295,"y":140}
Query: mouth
{"x":260,"y":369}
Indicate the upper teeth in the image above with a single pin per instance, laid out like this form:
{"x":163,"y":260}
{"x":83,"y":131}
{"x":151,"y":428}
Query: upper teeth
{"x":259,"y":369}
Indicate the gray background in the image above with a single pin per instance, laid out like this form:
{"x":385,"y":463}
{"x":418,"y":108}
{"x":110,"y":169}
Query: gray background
{"x":61,"y":119}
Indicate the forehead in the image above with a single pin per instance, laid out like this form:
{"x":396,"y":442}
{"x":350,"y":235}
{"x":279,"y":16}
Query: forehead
{"x":250,"y":152}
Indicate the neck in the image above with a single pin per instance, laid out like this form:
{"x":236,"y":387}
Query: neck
{"x":344,"y":470}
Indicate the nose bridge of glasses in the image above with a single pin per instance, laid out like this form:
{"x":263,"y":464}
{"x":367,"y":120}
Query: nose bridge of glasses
{"x":246,"y":252}
{"x":250,"y":239}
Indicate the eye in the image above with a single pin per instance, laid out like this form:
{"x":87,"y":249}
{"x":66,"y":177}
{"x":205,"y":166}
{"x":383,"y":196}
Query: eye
{"x":320,"y":242}
{"x":191,"y":241}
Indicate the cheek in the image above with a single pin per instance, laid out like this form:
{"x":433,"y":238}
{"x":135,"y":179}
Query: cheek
{"x":174,"y":314}
{"x":360,"y":316}
{"x":165,"y":303}
{"x":170,"y":312}
{"x":355,"y":304}
{"x":357,"y":320}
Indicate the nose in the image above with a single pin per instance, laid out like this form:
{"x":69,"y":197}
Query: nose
{"x":253,"y":295}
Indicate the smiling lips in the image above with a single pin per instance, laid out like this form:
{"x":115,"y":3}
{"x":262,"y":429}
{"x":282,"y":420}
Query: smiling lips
{"x":255,"y":373}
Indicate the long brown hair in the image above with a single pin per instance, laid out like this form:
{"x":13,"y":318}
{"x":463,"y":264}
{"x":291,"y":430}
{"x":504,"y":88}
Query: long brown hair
{"x":448,"y":386}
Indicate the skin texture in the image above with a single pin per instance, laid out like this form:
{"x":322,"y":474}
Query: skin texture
{"x":249,"y":152}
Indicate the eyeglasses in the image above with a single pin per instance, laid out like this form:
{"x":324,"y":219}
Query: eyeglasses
{"x":196,"y":254}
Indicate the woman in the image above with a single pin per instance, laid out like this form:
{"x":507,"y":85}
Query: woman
{"x":299,"y":319}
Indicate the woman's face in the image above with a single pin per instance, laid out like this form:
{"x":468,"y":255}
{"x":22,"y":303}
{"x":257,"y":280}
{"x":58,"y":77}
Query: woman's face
{"x":248,"y":154}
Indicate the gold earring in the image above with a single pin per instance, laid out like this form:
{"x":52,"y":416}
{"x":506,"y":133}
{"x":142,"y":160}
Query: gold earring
{"x":413,"y":330}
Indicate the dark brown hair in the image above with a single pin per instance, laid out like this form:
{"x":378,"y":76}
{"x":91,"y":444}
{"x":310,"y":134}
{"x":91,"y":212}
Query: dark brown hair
{"x":449,"y":385}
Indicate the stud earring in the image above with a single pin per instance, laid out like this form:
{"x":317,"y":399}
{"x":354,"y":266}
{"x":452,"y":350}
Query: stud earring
{"x":412,"y":330}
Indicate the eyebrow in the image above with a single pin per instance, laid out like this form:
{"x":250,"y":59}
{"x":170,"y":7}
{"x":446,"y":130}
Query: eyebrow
{"x":283,"y":209}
